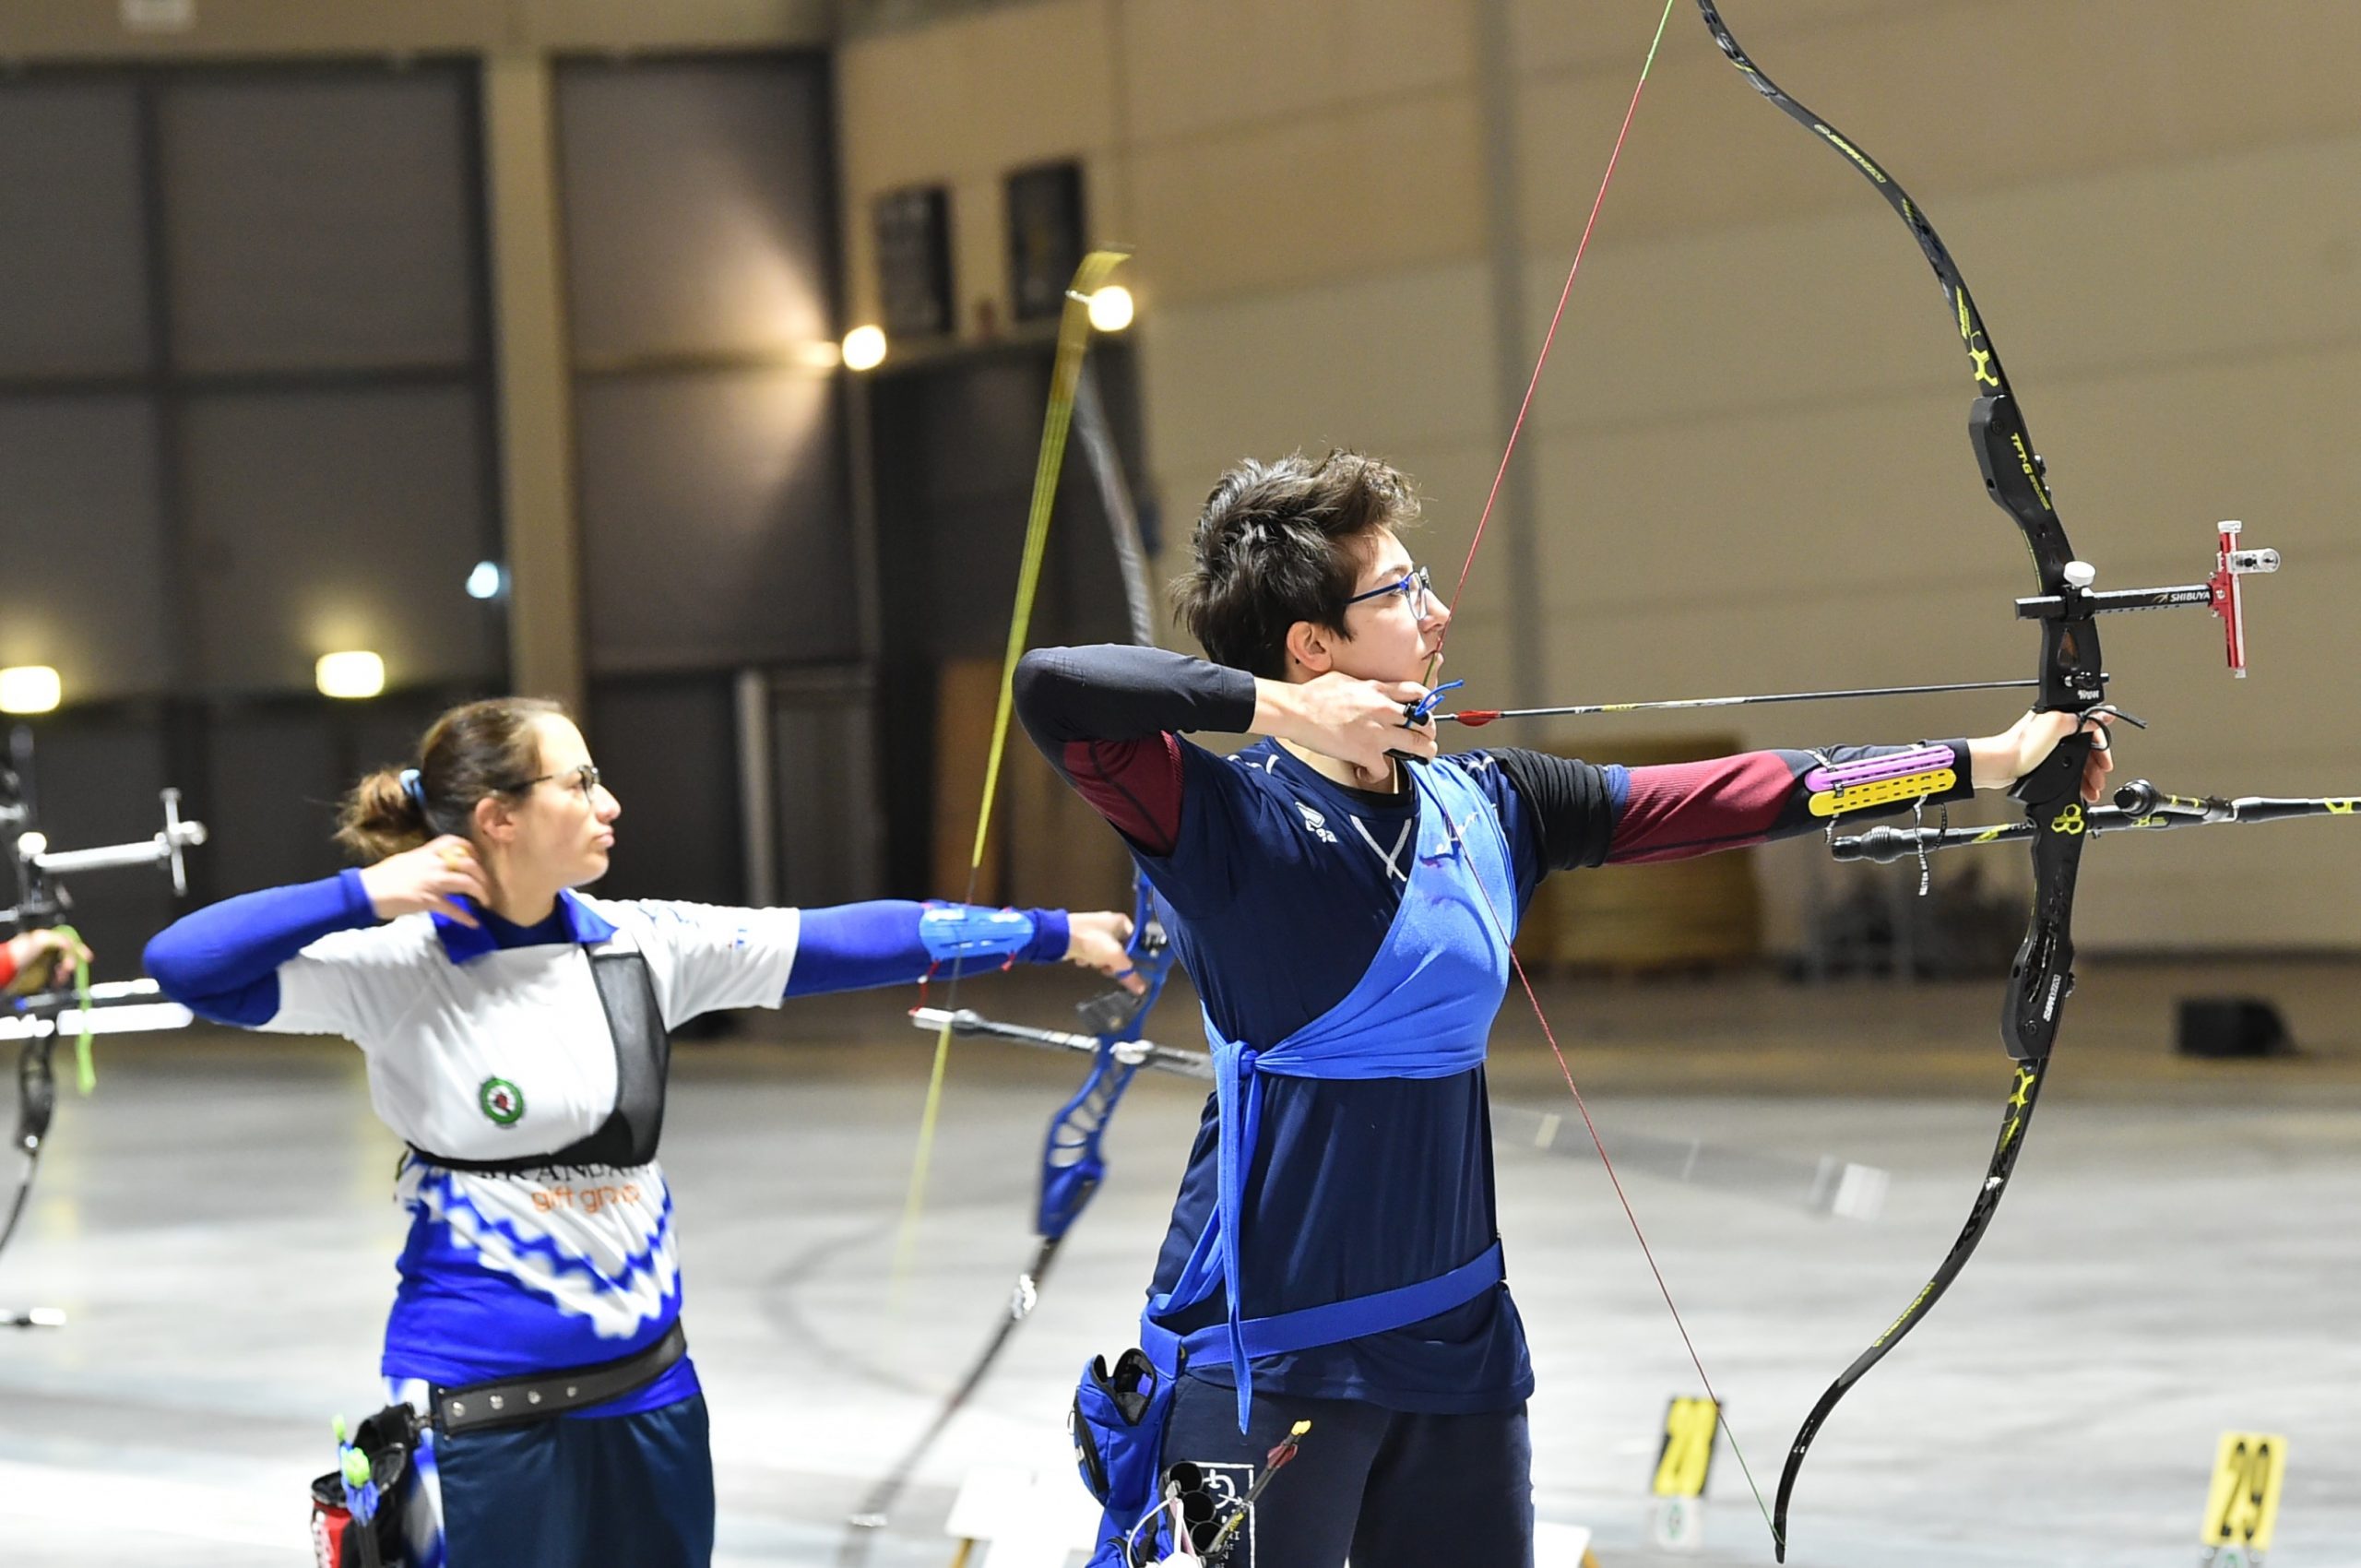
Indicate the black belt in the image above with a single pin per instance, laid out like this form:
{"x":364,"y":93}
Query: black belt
{"x":513,"y":1401}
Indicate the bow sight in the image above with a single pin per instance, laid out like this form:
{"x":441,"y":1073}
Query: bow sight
{"x":41,"y":899}
{"x":2219,"y":592}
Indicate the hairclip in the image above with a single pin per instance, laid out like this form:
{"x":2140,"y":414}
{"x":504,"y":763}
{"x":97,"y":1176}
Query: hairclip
{"x":415,"y":787}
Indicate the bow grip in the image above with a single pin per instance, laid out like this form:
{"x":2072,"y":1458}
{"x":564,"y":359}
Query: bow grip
{"x":2042,"y":975}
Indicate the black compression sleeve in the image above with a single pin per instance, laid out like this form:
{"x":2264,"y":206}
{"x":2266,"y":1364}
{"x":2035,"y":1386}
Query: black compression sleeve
{"x":1570,"y":800}
{"x":1117,"y":692}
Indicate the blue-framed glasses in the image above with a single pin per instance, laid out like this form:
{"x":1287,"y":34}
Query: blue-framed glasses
{"x":1417,"y":585}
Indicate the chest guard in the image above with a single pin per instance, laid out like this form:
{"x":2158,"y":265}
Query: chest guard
{"x":642,"y":1060}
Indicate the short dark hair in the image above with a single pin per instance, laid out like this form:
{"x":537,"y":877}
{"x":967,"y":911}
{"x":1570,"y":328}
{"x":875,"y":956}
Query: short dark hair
{"x":1280,"y":542}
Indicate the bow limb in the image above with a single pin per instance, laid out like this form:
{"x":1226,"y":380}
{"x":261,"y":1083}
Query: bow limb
{"x":1074,"y":339}
{"x":2071,"y":679}
{"x":1072,"y":1171}
{"x":1072,"y":1166}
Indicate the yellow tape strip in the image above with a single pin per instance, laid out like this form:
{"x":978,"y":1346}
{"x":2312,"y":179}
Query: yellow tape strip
{"x":1860,"y":797}
{"x":1074,"y":338}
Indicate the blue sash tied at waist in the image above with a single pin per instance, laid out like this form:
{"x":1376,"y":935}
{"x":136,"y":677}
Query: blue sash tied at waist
{"x":1423,"y":1009}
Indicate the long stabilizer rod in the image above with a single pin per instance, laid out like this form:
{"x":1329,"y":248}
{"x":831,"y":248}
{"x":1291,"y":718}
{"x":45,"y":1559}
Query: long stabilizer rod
{"x":2138,"y":807}
{"x":1829,"y":1186}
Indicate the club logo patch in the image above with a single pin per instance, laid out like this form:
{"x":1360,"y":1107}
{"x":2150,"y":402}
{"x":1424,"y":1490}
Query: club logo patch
{"x":501,"y":1101}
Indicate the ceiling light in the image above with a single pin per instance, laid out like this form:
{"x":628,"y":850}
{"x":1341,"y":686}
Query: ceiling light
{"x":1110,"y":308}
{"x":864,"y":347}
{"x":29,"y":688}
{"x":353,"y":673}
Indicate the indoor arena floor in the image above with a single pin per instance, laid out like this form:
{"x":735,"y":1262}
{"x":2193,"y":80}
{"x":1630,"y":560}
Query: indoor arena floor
{"x":2178,"y":1256}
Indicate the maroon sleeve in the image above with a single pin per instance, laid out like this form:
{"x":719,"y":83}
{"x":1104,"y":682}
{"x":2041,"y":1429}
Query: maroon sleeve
{"x":1695,"y":808}
{"x":1135,"y":785}
{"x":1730,"y":802}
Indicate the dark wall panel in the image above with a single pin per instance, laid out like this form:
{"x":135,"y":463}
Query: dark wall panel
{"x":700,"y":246}
{"x":83,"y":580}
{"x":272,"y":779}
{"x":669,"y":749}
{"x":73,"y":280}
{"x":319,"y":223}
{"x":327,"y":520}
{"x":954,"y":450}
{"x":713,"y":525}
{"x":698,"y":207}
{"x":957,"y":444}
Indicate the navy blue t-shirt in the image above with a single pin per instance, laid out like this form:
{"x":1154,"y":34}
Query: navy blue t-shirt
{"x":1356,"y":1186}
{"x":1282,"y":885}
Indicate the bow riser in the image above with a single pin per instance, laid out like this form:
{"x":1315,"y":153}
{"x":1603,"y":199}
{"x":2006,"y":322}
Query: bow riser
{"x":2072,"y":680}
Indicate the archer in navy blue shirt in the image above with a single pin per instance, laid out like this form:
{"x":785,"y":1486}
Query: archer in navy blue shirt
{"x":1284,"y":882}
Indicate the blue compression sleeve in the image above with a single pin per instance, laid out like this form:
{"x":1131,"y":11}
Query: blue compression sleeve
{"x":886,"y":942}
{"x":222,"y":962}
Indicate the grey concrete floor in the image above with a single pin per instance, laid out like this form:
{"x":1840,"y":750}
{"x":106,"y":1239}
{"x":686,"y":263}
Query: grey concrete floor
{"x":2177,"y":1257}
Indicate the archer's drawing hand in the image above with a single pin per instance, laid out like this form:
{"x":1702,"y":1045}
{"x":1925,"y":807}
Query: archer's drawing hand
{"x":1356,"y":721}
{"x":428,"y":877}
{"x":1096,"y":939}
{"x":2000,"y":760}
{"x":43,"y":959}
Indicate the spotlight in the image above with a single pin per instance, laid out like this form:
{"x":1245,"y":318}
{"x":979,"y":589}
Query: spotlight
{"x":29,"y":688}
{"x":864,"y":347}
{"x":487,"y":581}
{"x":353,"y":673}
{"x":1110,"y":308}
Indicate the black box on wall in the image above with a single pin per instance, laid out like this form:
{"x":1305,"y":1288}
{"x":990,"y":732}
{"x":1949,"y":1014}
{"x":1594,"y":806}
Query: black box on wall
{"x":2231,"y":1026}
{"x":1045,"y":237}
{"x":913,"y":230}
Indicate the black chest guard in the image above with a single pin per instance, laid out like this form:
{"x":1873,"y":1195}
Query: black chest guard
{"x":643,"y":1058}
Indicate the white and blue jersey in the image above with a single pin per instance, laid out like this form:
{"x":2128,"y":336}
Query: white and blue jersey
{"x":490,"y":1044}
{"x":483,"y":1051}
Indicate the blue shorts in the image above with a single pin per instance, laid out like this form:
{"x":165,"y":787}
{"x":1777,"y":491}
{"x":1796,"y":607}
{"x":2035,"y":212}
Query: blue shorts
{"x":1390,"y":1489}
{"x":587,"y":1492}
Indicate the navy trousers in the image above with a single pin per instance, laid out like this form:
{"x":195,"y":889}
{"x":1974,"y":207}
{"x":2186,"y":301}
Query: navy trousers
{"x":595,"y":1493}
{"x":1390,"y":1489}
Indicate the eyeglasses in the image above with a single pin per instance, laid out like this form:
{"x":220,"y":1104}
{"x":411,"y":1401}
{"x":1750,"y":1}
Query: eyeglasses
{"x":585,"y":777}
{"x":1417,"y":587}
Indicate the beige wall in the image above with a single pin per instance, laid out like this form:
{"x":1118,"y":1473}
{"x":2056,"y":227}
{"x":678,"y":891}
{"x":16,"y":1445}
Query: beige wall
{"x":118,"y":30}
{"x":1750,"y":453}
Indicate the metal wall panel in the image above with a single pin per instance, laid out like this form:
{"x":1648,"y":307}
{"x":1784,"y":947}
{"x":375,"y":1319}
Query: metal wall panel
{"x":319,"y":222}
{"x":73,"y":280}
{"x":85,"y":586}
{"x":698,"y":207}
{"x":327,"y":520}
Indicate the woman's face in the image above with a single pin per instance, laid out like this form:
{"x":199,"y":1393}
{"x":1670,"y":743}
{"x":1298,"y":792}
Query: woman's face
{"x":564,"y":820}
